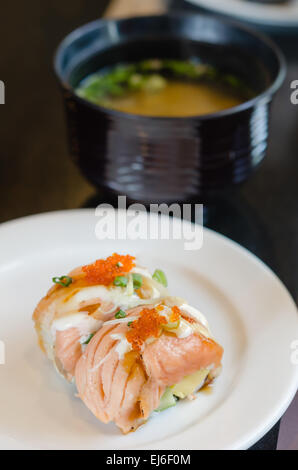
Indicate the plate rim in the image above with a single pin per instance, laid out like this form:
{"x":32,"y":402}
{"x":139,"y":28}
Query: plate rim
{"x":290,"y":22}
{"x":245,"y":441}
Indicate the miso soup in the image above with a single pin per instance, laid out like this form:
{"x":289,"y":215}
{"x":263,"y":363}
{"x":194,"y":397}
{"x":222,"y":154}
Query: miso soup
{"x":165,"y":88}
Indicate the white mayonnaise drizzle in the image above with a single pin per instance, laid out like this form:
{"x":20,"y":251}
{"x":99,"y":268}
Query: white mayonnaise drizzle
{"x":184,"y":329}
{"x":85,"y":324}
{"x":120,"y":320}
{"x":194,"y":313}
{"x":119,"y":297}
{"x":123,"y":346}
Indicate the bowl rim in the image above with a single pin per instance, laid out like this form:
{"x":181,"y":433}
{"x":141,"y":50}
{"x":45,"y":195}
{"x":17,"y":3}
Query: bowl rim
{"x":87,"y":27}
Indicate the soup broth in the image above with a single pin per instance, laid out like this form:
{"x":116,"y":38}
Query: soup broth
{"x":165,"y":89}
{"x":176,"y":99}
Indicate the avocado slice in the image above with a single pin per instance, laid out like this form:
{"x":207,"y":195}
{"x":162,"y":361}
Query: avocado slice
{"x":189,"y":384}
{"x":167,"y":400}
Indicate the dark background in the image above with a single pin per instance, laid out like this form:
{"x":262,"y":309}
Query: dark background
{"x":36,"y":174}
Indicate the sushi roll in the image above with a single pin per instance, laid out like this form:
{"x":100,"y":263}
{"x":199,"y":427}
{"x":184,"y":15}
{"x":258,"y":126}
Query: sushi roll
{"x":145,"y":361}
{"x":78,"y":304}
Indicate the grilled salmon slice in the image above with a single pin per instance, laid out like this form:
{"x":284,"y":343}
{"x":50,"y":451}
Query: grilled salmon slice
{"x":110,"y":381}
{"x":68,"y":351}
{"x":68,"y":315}
{"x":122,"y":385}
{"x":169,"y":359}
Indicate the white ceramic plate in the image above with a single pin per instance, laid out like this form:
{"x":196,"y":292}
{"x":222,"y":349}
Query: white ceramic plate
{"x":284,"y":15}
{"x":249,"y":310}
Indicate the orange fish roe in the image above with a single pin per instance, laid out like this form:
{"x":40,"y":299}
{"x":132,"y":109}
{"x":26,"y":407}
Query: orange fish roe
{"x":159,"y":308}
{"x":175,"y":315}
{"x":146,"y":326}
{"x":104,"y":271}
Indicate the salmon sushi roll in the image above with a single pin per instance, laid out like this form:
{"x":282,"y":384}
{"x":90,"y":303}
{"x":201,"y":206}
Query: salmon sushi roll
{"x":146,"y":361}
{"x":78,"y":304}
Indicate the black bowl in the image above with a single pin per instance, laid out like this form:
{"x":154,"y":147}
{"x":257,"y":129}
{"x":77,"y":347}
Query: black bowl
{"x":168,"y":159}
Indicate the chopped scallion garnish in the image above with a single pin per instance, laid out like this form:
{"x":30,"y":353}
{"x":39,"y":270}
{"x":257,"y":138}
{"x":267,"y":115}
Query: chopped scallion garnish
{"x":64,"y":281}
{"x":160,"y":277}
{"x":137,"y":280}
{"x":120,"y":314}
{"x":89,"y":338}
{"x":120,"y":281}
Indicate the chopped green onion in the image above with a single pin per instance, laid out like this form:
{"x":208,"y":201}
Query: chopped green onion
{"x":120,"y":314}
{"x":135,"y":82}
{"x":129,"y":323}
{"x":89,"y":338}
{"x":137,"y":280}
{"x":120,"y":281}
{"x":155,"y":83}
{"x":160,"y":277}
{"x":64,"y":281}
{"x":150,"y":75}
